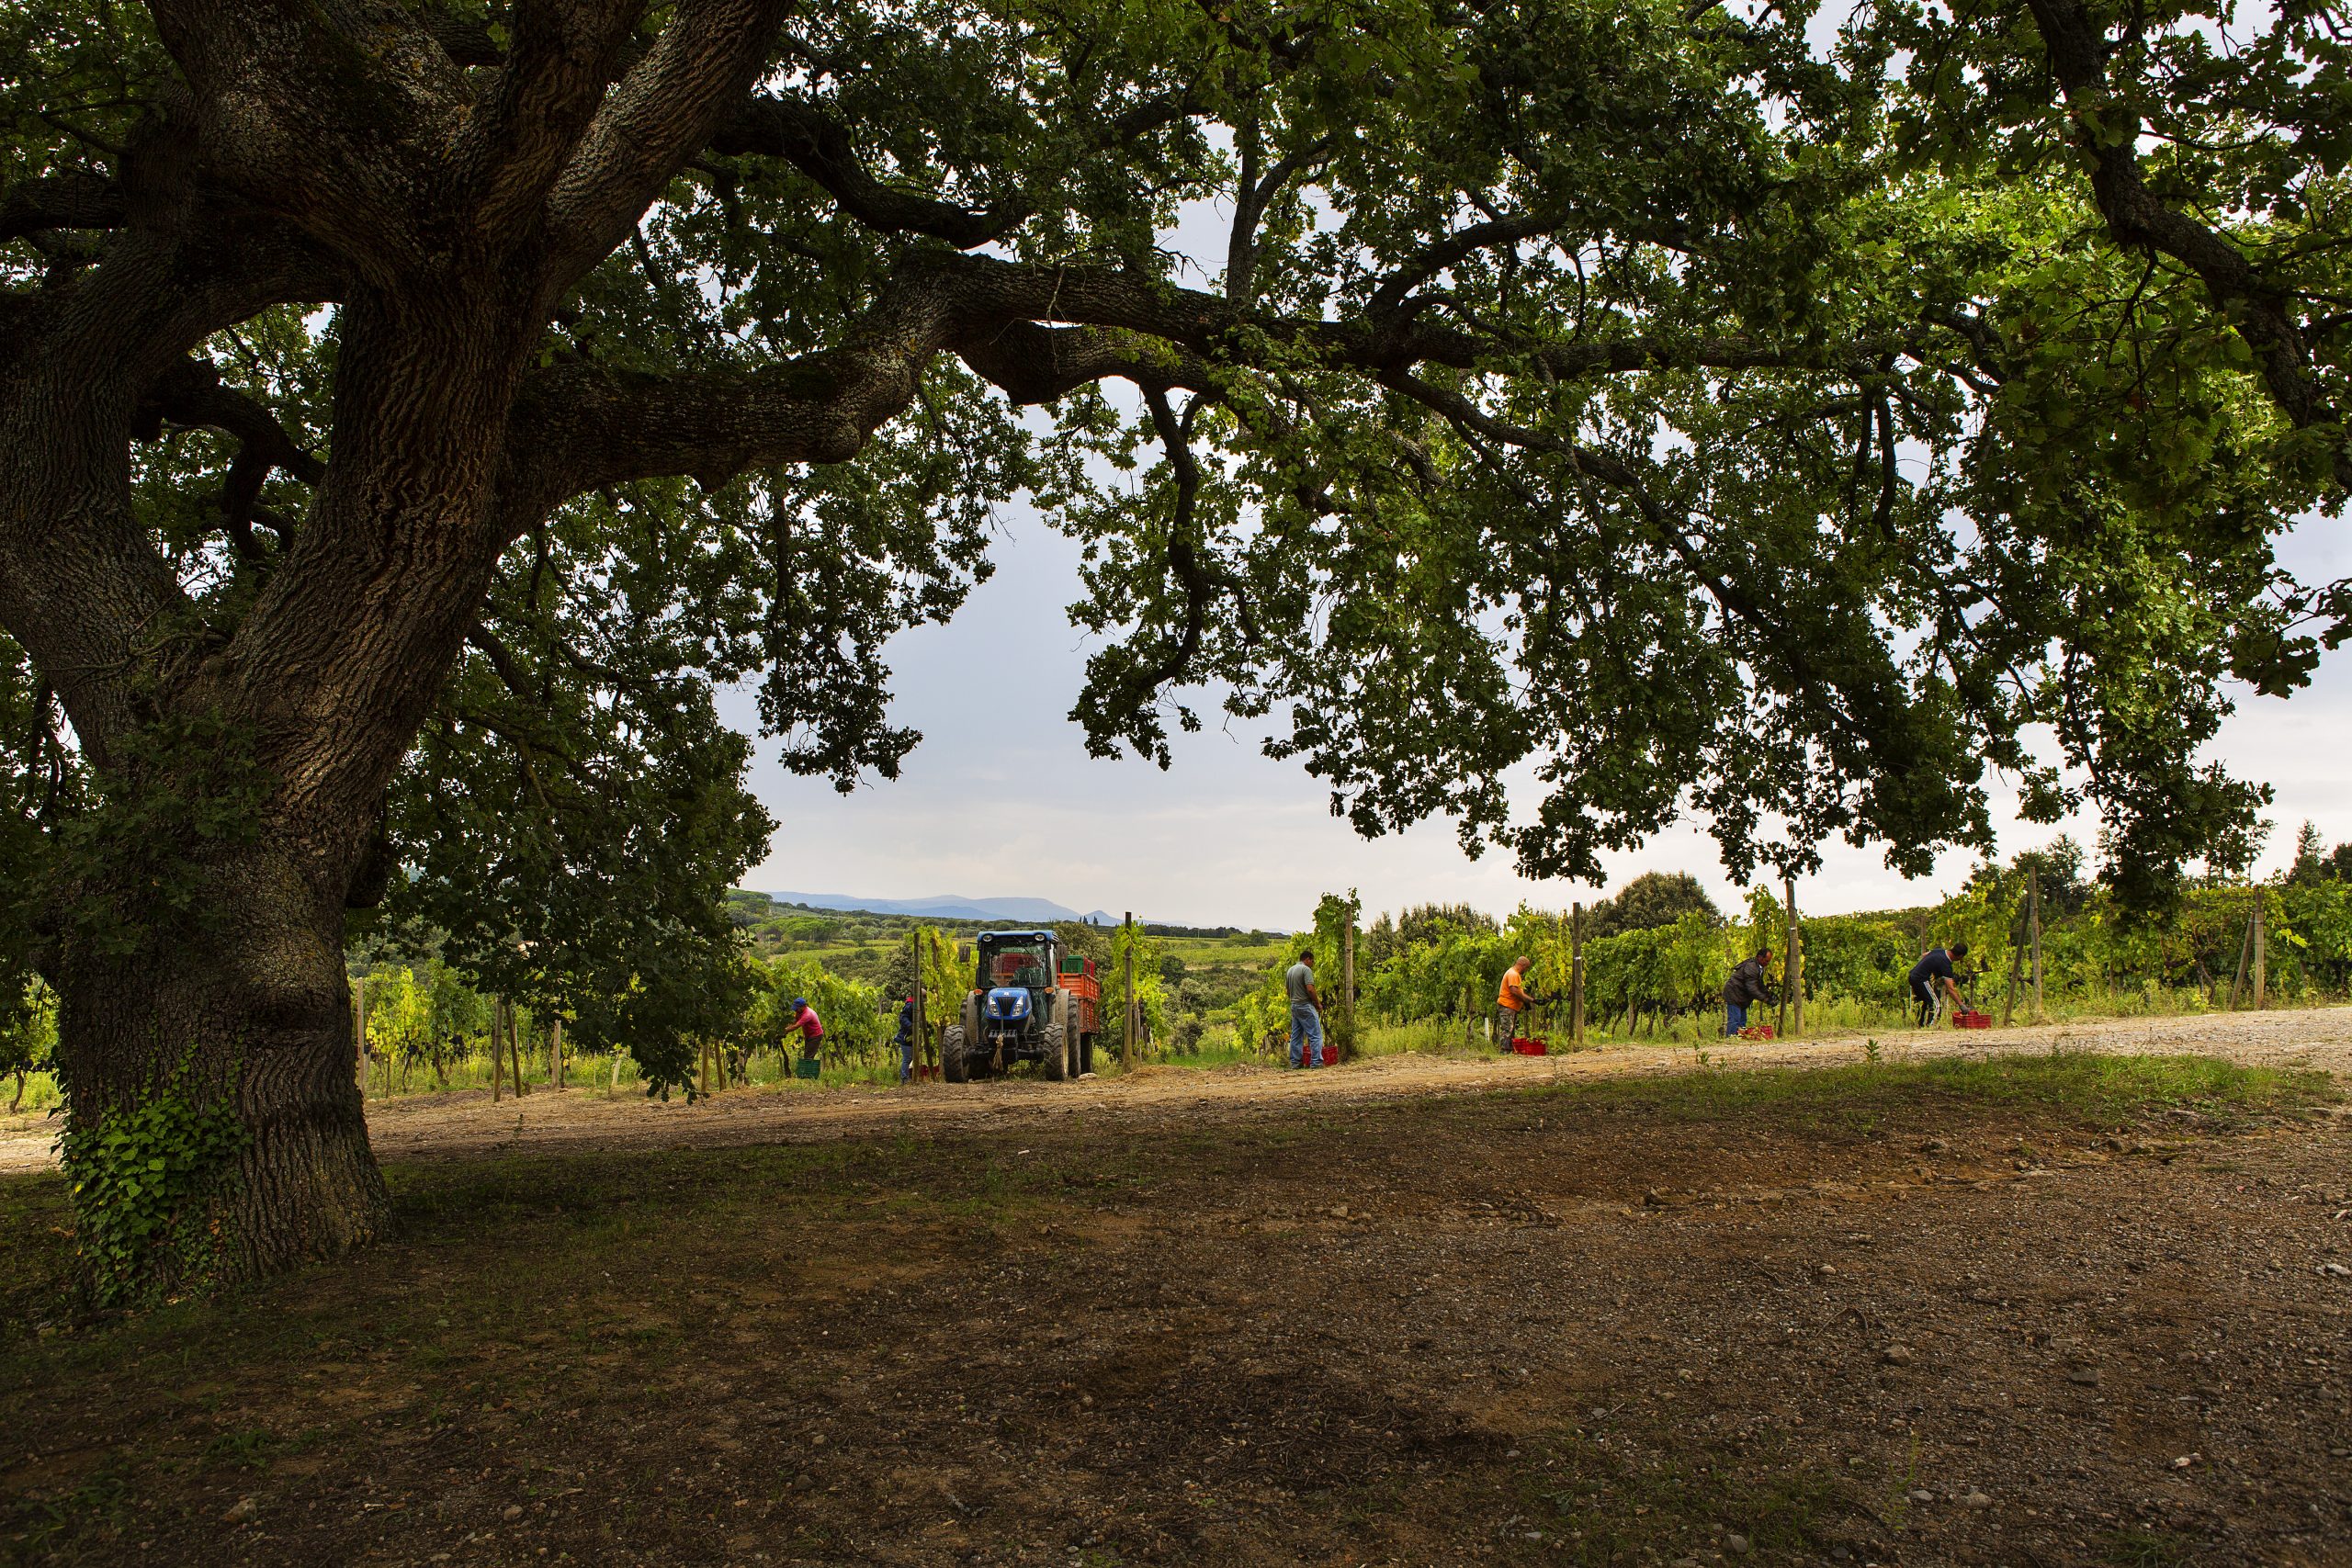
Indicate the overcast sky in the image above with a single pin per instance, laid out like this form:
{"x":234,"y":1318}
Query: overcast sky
{"x":1226,"y":837}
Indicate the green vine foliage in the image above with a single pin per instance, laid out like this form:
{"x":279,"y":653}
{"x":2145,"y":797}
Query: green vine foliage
{"x":143,"y":1179}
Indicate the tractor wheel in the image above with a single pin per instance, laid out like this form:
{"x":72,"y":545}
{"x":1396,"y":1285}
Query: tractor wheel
{"x":951,"y":1053}
{"x":1085,"y":1055}
{"x":1056,"y":1055}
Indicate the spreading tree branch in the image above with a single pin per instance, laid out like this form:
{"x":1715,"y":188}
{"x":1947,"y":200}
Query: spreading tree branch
{"x":659,"y":114}
{"x":69,"y":200}
{"x":780,"y":126}
{"x":2106,"y":133}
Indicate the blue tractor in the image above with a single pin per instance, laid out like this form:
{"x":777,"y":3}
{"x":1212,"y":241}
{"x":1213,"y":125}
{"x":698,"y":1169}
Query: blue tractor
{"x":1031,"y":1001}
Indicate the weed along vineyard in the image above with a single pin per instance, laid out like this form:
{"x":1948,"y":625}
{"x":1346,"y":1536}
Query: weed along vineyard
{"x":1711,"y":614}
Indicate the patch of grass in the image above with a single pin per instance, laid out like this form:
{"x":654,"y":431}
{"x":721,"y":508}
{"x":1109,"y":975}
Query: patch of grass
{"x":247,"y":1446}
{"x":101,"y":1503}
{"x":1435,"y":1037}
{"x":1603,"y":1508}
{"x":2133,"y":1547}
{"x":36,"y":1230}
{"x":2082,"y":1087}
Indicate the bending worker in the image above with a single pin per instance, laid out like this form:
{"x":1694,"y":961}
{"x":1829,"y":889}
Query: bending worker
{"x":813,"y":1030}
{"x":1934,"y":978}
{"x":1746,"y":985}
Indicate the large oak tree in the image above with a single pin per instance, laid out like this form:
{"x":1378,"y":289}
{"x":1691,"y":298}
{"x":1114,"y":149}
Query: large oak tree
{"x":408,"y":412}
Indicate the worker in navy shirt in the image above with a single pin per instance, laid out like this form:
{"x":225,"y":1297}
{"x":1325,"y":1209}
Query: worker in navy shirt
{"x":905,"y":1039}
{"x":1934,"y":977}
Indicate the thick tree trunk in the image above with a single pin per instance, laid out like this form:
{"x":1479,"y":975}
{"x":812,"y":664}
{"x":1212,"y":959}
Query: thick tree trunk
{"x":245,"y":1006}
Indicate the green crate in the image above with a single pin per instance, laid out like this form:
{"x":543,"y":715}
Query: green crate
{"x":807,"y":1067}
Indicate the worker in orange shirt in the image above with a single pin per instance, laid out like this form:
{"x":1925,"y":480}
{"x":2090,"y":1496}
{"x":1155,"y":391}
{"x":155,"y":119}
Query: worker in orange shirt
{"x":1512,"y":1002}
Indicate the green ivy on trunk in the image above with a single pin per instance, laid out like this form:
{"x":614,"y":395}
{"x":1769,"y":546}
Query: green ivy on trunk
{"x":143,"y":1180}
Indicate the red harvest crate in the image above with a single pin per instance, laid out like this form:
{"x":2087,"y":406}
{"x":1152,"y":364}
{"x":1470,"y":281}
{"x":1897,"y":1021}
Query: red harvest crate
{"x":1523,"y":1045}
{"x":1973,"y":1020}
{"x":1330,"y":1055}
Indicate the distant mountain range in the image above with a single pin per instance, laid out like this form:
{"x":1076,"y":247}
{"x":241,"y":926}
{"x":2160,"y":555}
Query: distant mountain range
{"x":948,"y":906}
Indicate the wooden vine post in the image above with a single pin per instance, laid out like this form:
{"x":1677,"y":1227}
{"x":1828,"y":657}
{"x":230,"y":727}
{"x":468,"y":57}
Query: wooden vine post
{"x":1793,"y":966}
{"x":2246,"y":955}
{"x":2261,"y":949}
{"x":2033,"y":934}
{"x":1348,"y":980}
{"x":555,"y":1051}
{"x":1127,"y":1034}
{"x":1576,"y":974}
{"x":2016,"y":967}
{"x":515,"y":1047}
{"x":921,"y":1042}
{"x":359,"y":1046}
{"x":497,"y":1052}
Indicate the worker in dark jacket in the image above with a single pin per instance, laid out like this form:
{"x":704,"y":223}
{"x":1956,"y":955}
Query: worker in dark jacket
{"x":1746,"y":985}
{"x":1934,"y":978}
{"x":905,"y":1039}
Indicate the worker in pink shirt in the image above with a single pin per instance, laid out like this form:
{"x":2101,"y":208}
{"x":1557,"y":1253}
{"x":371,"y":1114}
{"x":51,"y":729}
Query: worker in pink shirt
{"x":812,"y":1029}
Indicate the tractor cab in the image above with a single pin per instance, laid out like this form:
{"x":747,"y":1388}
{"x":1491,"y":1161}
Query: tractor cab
{"x":1023,"y":959}
{"x":1014,"y":984}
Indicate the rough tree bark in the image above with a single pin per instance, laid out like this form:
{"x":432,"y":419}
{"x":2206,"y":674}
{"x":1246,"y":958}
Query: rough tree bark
{"x":253,"y":1012}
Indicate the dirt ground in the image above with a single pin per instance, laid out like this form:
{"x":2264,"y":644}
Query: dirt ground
{"x":1249,"y":1318}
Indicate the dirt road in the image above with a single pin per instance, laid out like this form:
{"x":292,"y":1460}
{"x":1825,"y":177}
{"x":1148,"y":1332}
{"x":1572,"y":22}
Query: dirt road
{"x":467,"y":1123}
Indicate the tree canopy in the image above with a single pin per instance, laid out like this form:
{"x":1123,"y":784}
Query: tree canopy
{"x":413,"y":409}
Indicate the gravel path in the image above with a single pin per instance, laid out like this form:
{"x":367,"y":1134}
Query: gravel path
{"x":466,"y":1124}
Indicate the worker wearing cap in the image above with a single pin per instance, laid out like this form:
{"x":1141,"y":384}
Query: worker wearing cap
{"x":1511,"y":1002}
{"x":812,"y":1029}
